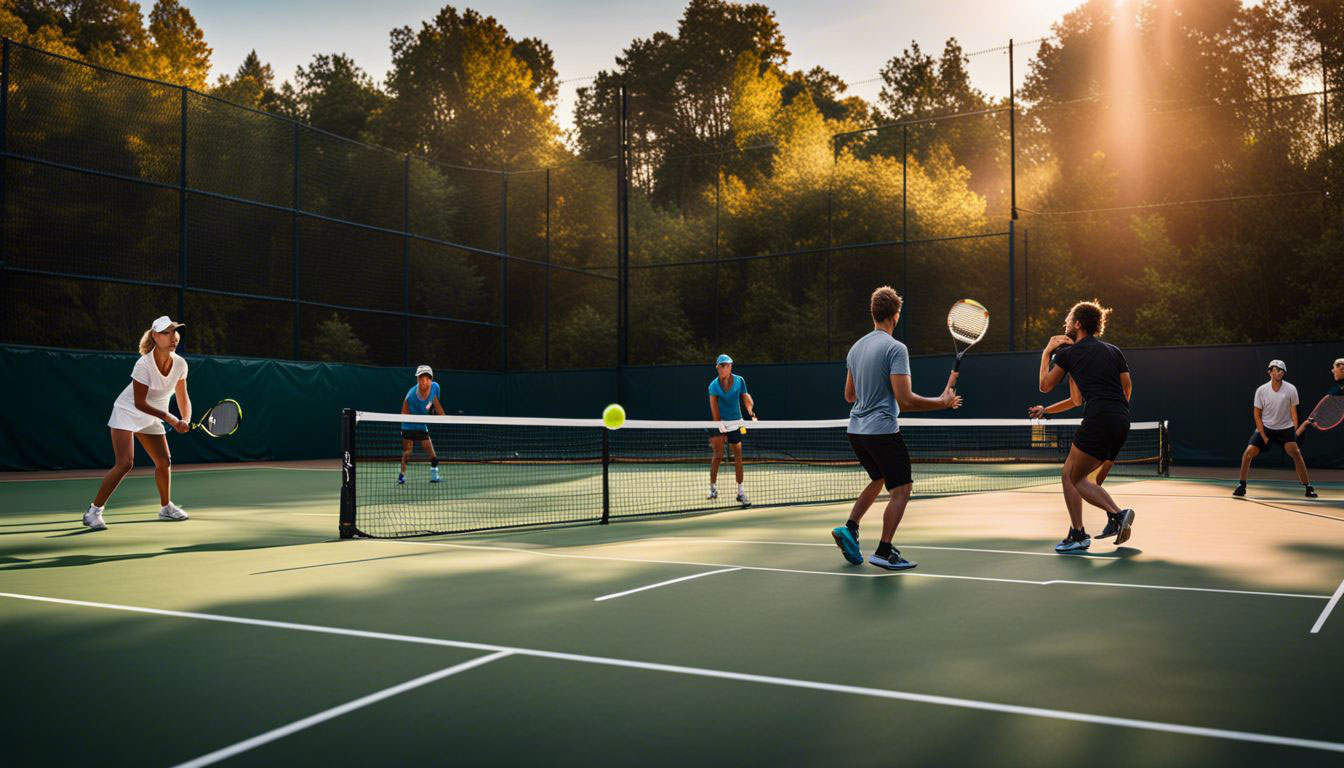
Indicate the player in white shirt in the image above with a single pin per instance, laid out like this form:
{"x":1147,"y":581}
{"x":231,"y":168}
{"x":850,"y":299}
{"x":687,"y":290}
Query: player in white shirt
{"x":1275,"y":413}
{"x":140,"y":411}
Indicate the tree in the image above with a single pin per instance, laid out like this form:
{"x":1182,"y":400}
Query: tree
{"x":180,"y":54}
{"x":463,"y":91}
{"x":334,"y":94}
{"x":253,"y":85}
{"x":680,"y":94}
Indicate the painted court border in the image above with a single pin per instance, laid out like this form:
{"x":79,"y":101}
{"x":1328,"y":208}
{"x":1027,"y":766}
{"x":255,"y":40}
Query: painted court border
{"x":500,"y":651}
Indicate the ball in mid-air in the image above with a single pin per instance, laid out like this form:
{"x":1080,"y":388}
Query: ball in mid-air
{"x":613,"y":416}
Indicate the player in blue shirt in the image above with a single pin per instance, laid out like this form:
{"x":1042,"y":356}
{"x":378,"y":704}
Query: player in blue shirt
{"x":419,"y":399}
{"x":727,"y":395}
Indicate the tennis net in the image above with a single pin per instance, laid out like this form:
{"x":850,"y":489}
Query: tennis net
{"x":500,"y":472}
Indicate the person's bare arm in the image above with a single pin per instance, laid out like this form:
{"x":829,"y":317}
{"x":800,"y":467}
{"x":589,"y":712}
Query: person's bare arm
{"x":438,"y":407}
{"x":911,"y":402}
{"x":1127,"y":384}
{"x":404,"y":407}
{"x":1050,"y":377}
{"x":183,"y":400}
{"x":1260,"y":425}
{"x":141,"y":393}
{"x":850,"y":395}
{"x":751,"y":405}
{"x":714,"y":408}
{"x":1074,"y":400}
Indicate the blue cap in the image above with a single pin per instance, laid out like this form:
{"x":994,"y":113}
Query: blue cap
{"x":723,"y":359}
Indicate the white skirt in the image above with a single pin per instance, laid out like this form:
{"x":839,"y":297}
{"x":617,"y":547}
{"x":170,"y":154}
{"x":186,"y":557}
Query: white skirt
{"x":135,"y":421}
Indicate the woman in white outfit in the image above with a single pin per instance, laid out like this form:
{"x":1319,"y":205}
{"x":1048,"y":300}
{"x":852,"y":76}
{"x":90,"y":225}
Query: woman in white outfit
{"x":140,"y":411}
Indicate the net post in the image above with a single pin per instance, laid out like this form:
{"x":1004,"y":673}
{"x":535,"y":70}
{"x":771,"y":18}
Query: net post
{"x":1012,"y":286}
{"x":1164,"y":462}
{"x":606,"y":475}
{"x":348,"y":529}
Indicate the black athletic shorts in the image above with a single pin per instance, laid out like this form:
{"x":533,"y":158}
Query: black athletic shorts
{"x":884,"y":456}
{"x":415,"y":434}
{"x":1102,"y":435}
{"x":1276,"y":437}
{"x":733,"y":436}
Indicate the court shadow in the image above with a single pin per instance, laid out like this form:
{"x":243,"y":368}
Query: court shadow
{"x":74,"y":560}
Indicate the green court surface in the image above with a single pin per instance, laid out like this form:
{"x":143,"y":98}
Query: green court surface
{"x":250,"y":635}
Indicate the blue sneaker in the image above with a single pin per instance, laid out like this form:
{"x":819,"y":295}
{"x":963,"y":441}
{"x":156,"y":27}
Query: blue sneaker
{"x":401,"y":479}
{"x":892,"y":562}
{"x":848,"y":544}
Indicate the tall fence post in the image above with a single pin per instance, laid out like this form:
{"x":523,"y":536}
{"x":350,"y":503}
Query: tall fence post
{"x":182,"y":216}
{"x":4,"y":143}
{"x":504,"y":270}
{"x":294,"y":240}
{"x":830,"y":237}
{"x":546,"y":293}
{"x":718,"y":193}
{"x":1325,"y":141}
{"x":905,"y":238}
{"x":1026,"y":288}
{"x":1012,"y":185}
{"x":1012,"y":285}
{"x":623,"y":234}
{"x":406,"y":259}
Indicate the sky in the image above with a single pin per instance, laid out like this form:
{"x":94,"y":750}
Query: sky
{"x":851,"y":38}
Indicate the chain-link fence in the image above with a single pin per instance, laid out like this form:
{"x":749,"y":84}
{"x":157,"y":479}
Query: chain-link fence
{"x":125,"y":198}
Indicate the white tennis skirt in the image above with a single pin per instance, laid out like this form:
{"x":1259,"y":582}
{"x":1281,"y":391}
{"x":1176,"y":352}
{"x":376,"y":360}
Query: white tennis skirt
{"x":135,"y":421}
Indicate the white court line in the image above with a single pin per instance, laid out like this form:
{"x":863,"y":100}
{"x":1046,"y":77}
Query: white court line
{"x":1330,"y":606}
{"x":363,"y":701}
{"x":947,"y":701}
{"x":889,"y":574}
{"x":662,"y":584}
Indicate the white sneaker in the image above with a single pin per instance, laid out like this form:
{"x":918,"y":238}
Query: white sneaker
{"x":173,"y":512}
{"x":94,"y":519}
{"x":713,"y":493}
{"x":742,"y":497}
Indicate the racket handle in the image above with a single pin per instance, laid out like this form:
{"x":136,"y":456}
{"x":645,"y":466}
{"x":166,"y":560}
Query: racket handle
{"x":956,"y":367}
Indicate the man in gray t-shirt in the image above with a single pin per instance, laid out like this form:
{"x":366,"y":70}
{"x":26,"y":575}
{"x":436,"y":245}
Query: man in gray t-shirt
{"x":878,"y":384}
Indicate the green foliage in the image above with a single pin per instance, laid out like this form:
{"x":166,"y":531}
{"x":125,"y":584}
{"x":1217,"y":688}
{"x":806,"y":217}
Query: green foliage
{"x":463,"y":91}
{"x":335,"y":342}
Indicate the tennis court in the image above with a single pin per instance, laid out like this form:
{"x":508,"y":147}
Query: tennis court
{"x":252,"y":635}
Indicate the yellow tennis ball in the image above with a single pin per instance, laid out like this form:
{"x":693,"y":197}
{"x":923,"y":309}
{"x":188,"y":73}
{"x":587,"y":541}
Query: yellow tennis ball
{"x":613,"y":416}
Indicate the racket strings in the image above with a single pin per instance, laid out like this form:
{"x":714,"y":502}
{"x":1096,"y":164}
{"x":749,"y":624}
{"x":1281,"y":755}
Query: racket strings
{"x":968,"y":322}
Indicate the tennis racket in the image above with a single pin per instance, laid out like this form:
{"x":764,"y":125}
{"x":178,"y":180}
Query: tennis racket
{"x":221,"y":420}
{"x":1328,"y":413}
{"x":968,"y":322}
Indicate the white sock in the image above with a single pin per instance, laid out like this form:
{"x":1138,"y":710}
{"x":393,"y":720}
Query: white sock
{"x":95,"y":508}
{"x":712,"y":486}
{"x":739,"y":487}
{"x":166,"y":506}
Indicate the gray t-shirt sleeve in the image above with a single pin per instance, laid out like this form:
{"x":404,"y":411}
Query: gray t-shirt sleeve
{"x":898,"y":360}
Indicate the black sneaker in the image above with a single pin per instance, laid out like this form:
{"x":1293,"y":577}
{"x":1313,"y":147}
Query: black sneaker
{"x":1311,"y":492}
{"x":1241,"y":490}
{"x":1112,"y":527}
{"x":892,"y":562}
{"x":1124,"y":520}
{"x":1076,"y":541}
